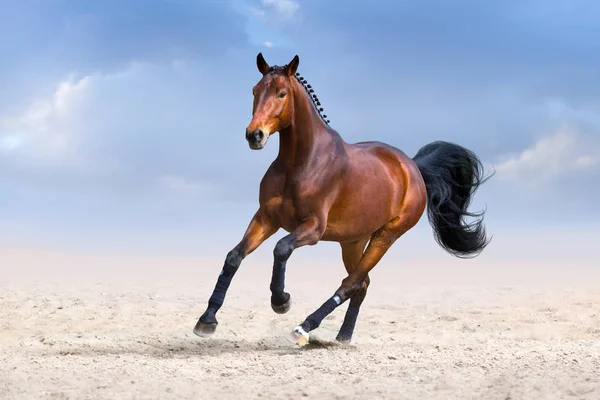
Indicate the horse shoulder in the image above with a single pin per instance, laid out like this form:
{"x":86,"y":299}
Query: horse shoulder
{"x":271,"y":187}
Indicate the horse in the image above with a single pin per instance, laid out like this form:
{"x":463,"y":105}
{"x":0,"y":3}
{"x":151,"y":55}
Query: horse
{"x":364,"y":196}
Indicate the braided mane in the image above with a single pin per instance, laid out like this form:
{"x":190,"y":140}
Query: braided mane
{"x":313,"y":96}
{"x":309,"y":90}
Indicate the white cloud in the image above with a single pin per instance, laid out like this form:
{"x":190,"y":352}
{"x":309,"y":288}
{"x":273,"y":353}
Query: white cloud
{"x":10,"y":142}
{"x":66,"y":94}
{"x":44,"y":132}
{"x":148,"y":128}
{"x":70,"y":127}
{"x":551,"y":157}
{"x":586,"y":161}
{"x":284,"y":8}
{"x":268,"y":11}
{"x":268,"y":22}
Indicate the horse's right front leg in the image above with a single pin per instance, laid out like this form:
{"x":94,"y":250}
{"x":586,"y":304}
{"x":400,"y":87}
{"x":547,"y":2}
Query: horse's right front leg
{"x":260,"y":229}
{"x":307,"y":233}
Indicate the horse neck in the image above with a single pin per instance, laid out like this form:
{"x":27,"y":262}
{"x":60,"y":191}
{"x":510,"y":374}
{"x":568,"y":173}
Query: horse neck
{"x":306,"y":135}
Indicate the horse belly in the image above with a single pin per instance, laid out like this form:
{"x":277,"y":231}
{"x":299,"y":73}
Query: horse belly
{"x":363,"y":213}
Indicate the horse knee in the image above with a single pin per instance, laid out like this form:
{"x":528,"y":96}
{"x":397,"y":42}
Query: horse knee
{"x":351,"y":289}
{"x":314,"y":237}
{"x":283,"y":250}
{"x":367,"y":282}
{"x":234,"y":259}
{"x":361,"y":292}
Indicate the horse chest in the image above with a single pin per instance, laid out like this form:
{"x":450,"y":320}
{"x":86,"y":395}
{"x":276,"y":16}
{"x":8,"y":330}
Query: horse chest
{"x":295,"y":206}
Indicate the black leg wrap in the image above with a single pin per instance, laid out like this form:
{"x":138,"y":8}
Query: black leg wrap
{"x":314,"y":320}
{"x":347,"y":329}
{"x":209,"y":316}
{"x":218,"y":296}
{"x":207,"y":323}
{"x":280,"y":300}
{"x":278,"y":296}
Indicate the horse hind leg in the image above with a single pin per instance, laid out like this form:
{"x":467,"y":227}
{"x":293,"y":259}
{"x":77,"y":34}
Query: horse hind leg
{"x":347,"y":329}
{"x":351,"y":255}
{"x":379,"y":244}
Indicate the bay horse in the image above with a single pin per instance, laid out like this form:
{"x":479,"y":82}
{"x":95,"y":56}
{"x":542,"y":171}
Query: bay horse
{"x":363,"y":196}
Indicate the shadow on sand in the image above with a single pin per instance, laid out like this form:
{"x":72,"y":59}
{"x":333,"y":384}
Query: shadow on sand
{"x":177,"y":346}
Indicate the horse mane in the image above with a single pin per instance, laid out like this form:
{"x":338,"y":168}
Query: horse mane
{"x":309,"y":90}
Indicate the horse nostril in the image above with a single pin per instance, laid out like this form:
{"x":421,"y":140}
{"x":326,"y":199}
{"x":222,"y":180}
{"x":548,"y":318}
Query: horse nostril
{"x":248,"y":134}
{"x":259,"y":135}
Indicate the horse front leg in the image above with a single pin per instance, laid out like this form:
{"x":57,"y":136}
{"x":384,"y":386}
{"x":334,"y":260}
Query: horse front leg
{"x":308,"y":233}
{"x":260,"y":229}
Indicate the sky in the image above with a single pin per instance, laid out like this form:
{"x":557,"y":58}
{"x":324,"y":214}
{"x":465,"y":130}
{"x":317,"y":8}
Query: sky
{"x":122,"y":123}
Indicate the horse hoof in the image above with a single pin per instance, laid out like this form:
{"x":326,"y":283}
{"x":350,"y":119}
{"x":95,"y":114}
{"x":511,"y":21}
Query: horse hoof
{"x":299,"y":336}
{"x":343,"y":340}
{"x":282,"y":309}
{"x":205,"y":330}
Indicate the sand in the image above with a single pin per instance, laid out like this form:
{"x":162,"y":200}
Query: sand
{"x":418,"y":337}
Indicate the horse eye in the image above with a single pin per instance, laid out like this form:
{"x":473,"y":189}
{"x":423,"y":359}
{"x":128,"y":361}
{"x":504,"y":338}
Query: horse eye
{"x":281,"y":95}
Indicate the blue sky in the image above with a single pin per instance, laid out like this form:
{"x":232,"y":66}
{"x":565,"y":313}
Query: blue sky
{"x":122,"y":123}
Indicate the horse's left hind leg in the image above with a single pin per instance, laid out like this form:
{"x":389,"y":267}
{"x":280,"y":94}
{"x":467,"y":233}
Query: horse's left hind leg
{"x":351,"y":255}
{"x":379,"y":244}
{"x":347,"y":328}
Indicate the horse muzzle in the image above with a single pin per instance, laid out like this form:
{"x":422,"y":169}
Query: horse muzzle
{"x":256,"y":139}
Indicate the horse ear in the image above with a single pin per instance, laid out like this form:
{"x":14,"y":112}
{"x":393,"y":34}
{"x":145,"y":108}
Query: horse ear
{"x":262,"y":65}
{"x":292,"y":67}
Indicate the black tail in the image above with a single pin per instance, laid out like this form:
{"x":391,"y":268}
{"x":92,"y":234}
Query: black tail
{"x":452,"y":174}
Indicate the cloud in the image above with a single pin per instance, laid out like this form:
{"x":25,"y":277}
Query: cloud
{"x":586,"y":161}
{"x":149,"y":129}
{"x":83,"y":122}
{"x":44,"y":132}
{"x":551,"y":157}
{"x":163,"y":139}
{"x":269,"y":12}
{"x":285,"y":9}
{"x":268,"y":21}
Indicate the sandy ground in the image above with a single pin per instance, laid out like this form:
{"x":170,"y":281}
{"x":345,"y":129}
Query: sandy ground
{"x":426,"y":338}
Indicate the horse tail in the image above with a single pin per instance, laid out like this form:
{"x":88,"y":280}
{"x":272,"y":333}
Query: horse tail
{"x":452,"y":174}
